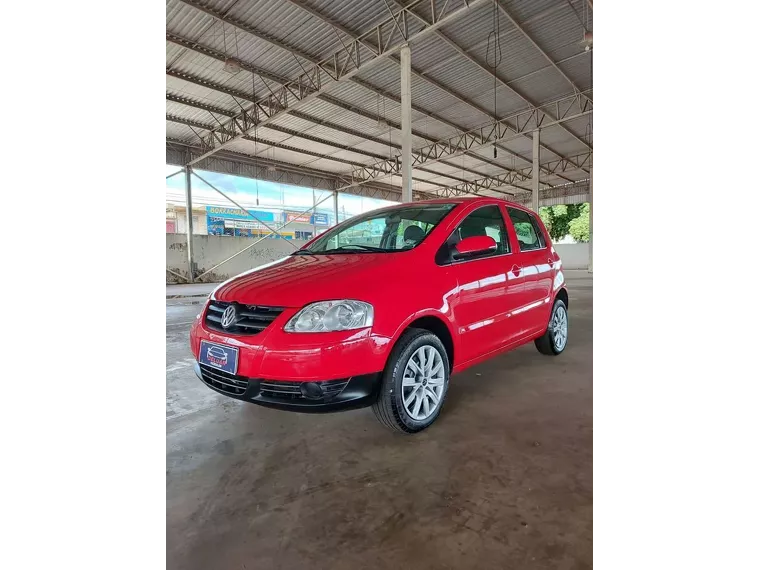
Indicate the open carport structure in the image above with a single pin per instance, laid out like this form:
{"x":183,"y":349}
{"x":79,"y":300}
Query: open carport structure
{"x":400,"y":101}
{"x":397,"y":100}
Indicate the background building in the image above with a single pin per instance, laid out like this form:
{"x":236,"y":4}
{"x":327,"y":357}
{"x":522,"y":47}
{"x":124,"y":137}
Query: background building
{"x":222,"y":221}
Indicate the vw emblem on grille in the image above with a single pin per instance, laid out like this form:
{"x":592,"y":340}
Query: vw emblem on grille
{"x":229,"y":317}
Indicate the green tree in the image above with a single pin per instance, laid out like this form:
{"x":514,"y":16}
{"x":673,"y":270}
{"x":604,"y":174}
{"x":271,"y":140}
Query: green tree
{"x":557,"y":219}
{"x":579,"y":228}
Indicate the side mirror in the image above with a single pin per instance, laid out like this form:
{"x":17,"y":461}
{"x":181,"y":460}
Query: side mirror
{"x":474,"y":246}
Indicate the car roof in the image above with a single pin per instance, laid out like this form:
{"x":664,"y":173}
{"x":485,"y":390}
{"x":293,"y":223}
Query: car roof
{"x":457,"y":200}
{"x":460,"y":200}
{"x":475,"y":199}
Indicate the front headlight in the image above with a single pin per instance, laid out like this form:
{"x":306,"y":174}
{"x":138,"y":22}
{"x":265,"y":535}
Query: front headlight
{"x":327,"y":316}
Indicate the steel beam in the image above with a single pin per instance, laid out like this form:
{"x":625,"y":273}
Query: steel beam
{"x":329,"y":99}
{"x":483,"y":43}
{"x":267,"y":143}
{"x":564,"y":109}
{"x":267,"y":226}
{"x":208,"y":52}
{"x":595,"y":198}
{"x":492,"y":73}
{"x":323,"y":122}
{"x":188,"y":204}
{"x":516,"y":24}
{"x":424,"y":77}
{"x":493,"y":183}
{"x":242,"y":26}
{"x":343,"y":64}
{"x":296,"y":53}
{"x":535,"y":170}
{"x":207,"y":271}
{"x":575,"y":193}
{"x":405,"y":123}
{"x":239,"y":164}
{"x":298,"y":134}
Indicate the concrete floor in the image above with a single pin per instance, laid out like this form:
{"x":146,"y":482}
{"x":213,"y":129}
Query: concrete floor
{"x":503,"y":479}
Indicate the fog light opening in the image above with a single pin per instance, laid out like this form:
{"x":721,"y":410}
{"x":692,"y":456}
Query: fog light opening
{"x":311,"y":390}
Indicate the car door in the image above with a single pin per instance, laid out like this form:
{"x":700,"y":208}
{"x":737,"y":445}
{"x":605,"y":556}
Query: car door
{"x":537,"y":263}
{"x":486,"y":291}
{"x":537,"y":267}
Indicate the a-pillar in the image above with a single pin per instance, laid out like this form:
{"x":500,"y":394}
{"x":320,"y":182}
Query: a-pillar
{"x":188,"y":200}
{"x":535,"y":170}
{"x":406,"y":124}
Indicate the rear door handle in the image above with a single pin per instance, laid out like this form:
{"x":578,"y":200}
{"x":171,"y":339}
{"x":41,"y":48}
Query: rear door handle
{"x":515,"y":269}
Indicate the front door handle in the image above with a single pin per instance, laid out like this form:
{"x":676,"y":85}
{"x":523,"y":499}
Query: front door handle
{"x":550,"y":261}
{"x":516,"y":270}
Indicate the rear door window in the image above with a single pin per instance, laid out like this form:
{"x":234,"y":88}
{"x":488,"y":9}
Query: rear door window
{"x":527,"y":229}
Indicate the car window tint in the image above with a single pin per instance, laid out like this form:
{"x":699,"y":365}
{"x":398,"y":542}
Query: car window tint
{"x":526,"y":229}
{"x":486,"y":221}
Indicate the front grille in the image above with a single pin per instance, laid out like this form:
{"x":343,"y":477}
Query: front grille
{"x":224,"y":381}
{"x":251,"y":319}
{"x":291,"y":390}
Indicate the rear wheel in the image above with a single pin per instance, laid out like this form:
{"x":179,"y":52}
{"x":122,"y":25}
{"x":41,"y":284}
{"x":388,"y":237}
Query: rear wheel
{"x":414,"y":383}
{"x":554,"y":340}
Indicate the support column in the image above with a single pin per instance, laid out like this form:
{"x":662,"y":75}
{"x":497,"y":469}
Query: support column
{"x":536,"y":170}
{"x":406,"y":124}
{"x":595,"y":171}
{"x":334,"y":196}
{"x":595,"y":219}
{"x":188,"y":200}
{"x":313,"y":216}
{"x":590,"y":236}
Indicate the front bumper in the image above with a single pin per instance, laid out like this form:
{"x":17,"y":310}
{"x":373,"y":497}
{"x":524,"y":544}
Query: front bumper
{"x":338,"y":395}
{"x":277,"y":355}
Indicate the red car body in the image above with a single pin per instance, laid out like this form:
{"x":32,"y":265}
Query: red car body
{"x":479,"y":308}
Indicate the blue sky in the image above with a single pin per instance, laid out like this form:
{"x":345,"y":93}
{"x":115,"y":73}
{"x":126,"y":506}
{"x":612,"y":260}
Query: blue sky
{"x":248,"y":192}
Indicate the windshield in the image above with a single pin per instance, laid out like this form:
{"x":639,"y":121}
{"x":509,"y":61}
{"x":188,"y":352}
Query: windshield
{"x":398,"y":229}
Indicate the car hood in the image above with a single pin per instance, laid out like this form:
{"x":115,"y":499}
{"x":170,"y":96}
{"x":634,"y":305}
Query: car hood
{"x":297,"y":280}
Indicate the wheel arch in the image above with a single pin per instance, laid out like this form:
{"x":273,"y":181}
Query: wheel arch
{"x":438,"y":325}
{"x":563,"y":295}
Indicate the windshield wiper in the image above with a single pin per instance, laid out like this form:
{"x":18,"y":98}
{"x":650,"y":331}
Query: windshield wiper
{"x":304,"y":251}
{"x":361,"y":249}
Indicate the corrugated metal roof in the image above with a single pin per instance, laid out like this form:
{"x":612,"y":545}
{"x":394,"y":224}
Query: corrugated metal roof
{"x":205,"y":95}
{"x":551,"y":23}
{"x":518,"y":56}
{"x":580,"y":126}
{"x":578,"y":69}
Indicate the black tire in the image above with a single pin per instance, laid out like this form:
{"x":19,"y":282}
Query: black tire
{"x":388,"y":407}
{"x":546,"y":344}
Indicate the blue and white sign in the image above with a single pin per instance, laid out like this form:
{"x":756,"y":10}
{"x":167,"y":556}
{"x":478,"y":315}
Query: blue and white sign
{"x":218,"y":356}
{"x":320,"y":219}
{"x":237,"y":214}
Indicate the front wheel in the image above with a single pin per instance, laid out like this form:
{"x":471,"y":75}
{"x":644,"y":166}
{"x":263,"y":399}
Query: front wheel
{"x":554,"y":340}
{"x":414,"y":383}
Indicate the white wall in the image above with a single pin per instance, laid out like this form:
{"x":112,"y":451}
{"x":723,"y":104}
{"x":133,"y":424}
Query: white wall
{"x":210,"y":250}
{"x":573,"y":255}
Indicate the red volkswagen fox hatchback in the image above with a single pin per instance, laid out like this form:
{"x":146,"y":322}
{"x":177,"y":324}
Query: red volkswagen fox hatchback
{"x":382,"y":309}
